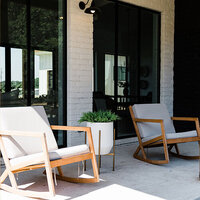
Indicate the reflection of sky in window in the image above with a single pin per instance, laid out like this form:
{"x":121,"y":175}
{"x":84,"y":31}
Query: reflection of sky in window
{"x":16,"y":64}
{"x":2,"y":64}
{"x":37,"y":64}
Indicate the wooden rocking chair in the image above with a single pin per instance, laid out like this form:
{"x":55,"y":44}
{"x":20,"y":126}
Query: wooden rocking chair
{"x":27,"y":143}
{"x":154,"y":128}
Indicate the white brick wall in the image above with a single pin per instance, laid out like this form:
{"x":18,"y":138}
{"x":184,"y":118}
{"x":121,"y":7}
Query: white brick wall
{"x":80,"y":58}
{"x":80,"y":64}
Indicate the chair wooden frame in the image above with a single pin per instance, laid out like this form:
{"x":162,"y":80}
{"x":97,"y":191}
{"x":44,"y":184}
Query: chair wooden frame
{"x":162,"y":141}
{"x":44,"y":162}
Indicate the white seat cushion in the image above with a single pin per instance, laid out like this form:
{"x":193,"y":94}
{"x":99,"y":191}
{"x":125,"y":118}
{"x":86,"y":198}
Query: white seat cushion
{"x":153,"y":111}
{"x":54,"y":155}
{"x":174,"y":135}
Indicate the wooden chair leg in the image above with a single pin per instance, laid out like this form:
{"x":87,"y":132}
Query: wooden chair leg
{"x":48,"y":168}
{"x":3,"y":176}
{"x":157,"y":162}
{"x":166,"y":152}
{"x":99,"y":163}
{"x":94,"y":167}
{"x":178,"y":155}
{"x":177,"y":149}
{"x":12,"y":180}
{"x":136,"y":152}
{"x":114,"y":150}
{"x":81,"y":180}
{"x":170,"y":147}
{"x":140,"y":148}
{"x":60,"y":172}
{"x":50,"y":180}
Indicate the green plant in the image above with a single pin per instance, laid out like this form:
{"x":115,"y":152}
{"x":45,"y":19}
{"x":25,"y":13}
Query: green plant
{"x":99,"y":116}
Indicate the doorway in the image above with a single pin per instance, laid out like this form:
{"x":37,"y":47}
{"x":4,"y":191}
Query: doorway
{"x":126,"y":60}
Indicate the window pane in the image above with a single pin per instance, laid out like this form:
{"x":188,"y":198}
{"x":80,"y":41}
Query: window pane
{"x":121,"y":85}
{"x":109,"y":75}
{"x":13,"y":26}
{"x":2,"y":70}
{"x":47,"y":44}
{"x":43,"y":74}
{"x":149,"y":54}
{"x":16,"y":70}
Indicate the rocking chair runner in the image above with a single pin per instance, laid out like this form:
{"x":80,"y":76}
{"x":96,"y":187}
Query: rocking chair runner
{"x":27,"y":142}
{"x":154,"y":127}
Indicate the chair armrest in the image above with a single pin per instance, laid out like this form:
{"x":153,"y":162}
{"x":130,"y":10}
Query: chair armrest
{"x":76,"y":128}
{"x":184,"y":118}
{"x":21,"y":133}
{"x":148,"y":120}
{"x":191,"y":119}
{"x":69,"y":128}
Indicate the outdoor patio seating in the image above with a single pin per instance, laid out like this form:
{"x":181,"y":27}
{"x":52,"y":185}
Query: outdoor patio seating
{"x":27,"y":143}
{"x":154,"y":128}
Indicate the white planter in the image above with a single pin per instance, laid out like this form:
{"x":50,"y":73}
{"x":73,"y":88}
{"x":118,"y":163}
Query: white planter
{"x":106,"y":136}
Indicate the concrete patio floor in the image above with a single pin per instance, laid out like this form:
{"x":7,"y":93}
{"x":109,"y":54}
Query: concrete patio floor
{"x":132,"y":179}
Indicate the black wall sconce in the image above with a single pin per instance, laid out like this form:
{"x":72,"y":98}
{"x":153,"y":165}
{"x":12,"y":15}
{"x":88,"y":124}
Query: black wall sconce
{"x":90,"y":10}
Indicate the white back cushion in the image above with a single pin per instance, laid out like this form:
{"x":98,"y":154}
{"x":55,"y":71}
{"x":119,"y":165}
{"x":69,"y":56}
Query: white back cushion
{"x":30,"y":119}
{"x":153,"y":111}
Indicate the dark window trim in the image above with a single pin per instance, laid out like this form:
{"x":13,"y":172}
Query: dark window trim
{"x":65,"y":72}
{"x":135,"y":6}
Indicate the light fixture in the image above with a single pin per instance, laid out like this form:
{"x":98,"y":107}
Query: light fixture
{"x":90,"y":10}
{"x":82,"y":5}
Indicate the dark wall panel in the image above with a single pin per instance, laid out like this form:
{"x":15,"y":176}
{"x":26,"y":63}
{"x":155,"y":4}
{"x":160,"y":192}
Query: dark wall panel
{"x":187,"y":60}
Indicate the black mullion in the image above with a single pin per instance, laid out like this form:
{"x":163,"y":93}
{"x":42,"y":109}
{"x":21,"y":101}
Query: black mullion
{"x":8,"y":69}
{"x":159,"y":58}
{"x":116,"y":62}
{"x":65,"y":70}
{"x":5,"y":39}
{"x":116,"y":52}
{"x":55,"y":72}
{"x":135,"y":6}
{"x":4,"y":23}
{"x":127,"y":71}
{"x":32,"y":74}
{"x":28,"y":26}
{"x":139,"y":54}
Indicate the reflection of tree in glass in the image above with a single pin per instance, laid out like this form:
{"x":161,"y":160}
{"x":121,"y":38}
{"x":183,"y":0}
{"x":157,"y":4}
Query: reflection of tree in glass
{"x":16,"y":84}
{"x":17,"y":23}
{"x":44,"y":31}
{"x":2,"y":86}
{"x":37,"y":83}
{"x":44,"y":26}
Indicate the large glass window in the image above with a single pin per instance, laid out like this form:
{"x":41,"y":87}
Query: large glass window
{"x":32,"y":57}
{"x":126,"y":59}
